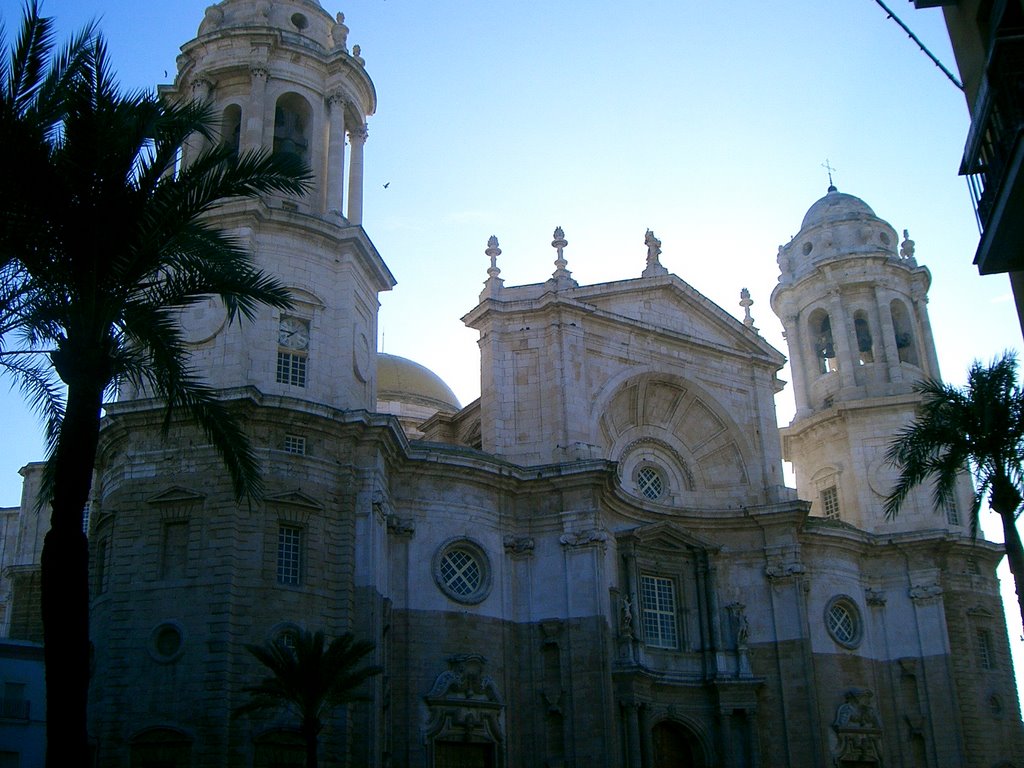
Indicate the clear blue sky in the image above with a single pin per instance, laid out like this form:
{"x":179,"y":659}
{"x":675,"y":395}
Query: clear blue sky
{"x":708,"y":123}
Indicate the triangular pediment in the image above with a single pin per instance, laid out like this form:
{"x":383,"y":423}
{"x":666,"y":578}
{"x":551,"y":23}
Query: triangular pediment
{"x":293,"y":499}
{"x":176,"y":495}
{"x":664,"y":536}
{"x":670,"y":304}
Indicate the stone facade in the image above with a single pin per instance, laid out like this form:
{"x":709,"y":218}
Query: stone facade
{"x":598,"y":562}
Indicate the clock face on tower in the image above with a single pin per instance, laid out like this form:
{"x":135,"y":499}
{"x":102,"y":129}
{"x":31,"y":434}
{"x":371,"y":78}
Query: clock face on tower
{"x":202,"y":320}
{"x":293,"y":333}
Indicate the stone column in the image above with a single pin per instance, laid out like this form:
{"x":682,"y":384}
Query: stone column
{"x":888,"y":334}
{"x":334,"y":199}
{"x":356,"y":137}
{"x":798,"y":364}
{"x":841,"y":339}
{"x":252,"y":136}
{"x":196,"y":143}
{"x":920,"y":300}
{"x":634,"y":757}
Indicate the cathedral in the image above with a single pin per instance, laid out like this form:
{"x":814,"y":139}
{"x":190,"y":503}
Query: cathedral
{"x":596,"y":563}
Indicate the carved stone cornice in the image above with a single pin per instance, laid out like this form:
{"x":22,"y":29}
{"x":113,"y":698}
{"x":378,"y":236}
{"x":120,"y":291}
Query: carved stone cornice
{"x":519,"y":546}
{"x":924,"y":593}
{"x":590,"y":538}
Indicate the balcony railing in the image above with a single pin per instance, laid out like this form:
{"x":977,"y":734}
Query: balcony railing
{"x":994,"y":157}
{"x":996,"y":126}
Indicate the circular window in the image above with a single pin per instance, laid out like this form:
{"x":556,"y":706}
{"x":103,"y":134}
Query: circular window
{"x":650,"y":483}
{"x":299,"y":21}
{"x":842,"y":619}
{"x":808,"y":247}
{"x":462,"y":572}
{"x":167,"y":642}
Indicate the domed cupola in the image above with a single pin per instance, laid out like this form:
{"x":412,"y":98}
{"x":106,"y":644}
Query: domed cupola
{"x":836,"y":226}
{"x":412,"y":392}
{"x":853,"y":304}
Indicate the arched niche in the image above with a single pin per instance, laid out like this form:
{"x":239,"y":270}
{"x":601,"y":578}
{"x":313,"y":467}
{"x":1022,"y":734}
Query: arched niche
{"x":293,"y":118}
{"x":667,"y":429}
{"x":865,"y":339}
{"x":819,"y":331}
{"x":903,"y":327}
{"x":231,"y":127}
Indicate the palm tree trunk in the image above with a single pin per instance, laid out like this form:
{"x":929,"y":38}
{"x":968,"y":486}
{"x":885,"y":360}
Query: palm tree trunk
{"x":311,"y":733}
{"x":65,"y":582}
{"x":1014,"y":555}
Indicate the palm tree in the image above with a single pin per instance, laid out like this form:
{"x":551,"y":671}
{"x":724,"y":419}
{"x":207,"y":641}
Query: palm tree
{"x":103,"y":240}
{"x":309,"y":680}
{"x":979,"y":426}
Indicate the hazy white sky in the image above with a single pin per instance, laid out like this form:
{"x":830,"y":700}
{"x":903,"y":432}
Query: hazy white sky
{"x":708,"y":123}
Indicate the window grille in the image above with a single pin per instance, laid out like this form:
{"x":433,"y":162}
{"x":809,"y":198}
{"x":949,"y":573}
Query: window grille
{"x":952,"y":511}
{"x":658,"y":599}
{"x":291,"y":369}
{"x":830,"y":502}
{"x":460,"y":572}
{"x":983,"y":638}
{"x":295,"y":444}
{"x":289,"y":554}
{"x":842,"y":623}
{"x":650,"y":483}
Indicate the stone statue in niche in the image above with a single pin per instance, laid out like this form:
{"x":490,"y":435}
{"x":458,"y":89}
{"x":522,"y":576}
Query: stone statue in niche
{"x":626,"y":624}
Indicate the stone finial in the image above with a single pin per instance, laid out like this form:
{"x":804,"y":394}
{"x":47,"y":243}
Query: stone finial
{"x":357,"y":55}
{"x":561,"y":277}
{"x":493,"y":284}
{"x":745,"y":302}
{"x":339,"y":32}
{"x":907,"y":248}
{"x":653,"y":252}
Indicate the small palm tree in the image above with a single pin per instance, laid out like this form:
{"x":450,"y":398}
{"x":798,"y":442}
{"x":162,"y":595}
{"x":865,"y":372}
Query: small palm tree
{"x":309,"y":680}
{"x":103,"y":241}
{"x":981,"y":427}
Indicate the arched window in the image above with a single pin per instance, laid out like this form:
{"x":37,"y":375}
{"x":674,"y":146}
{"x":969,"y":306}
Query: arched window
{"x":675,"y":744}
{"x":231,"y":127}
{"x":820,"y":328}
{"x":904,"y":331}
{"x":865,"y":343}
{"x":292,"y":120}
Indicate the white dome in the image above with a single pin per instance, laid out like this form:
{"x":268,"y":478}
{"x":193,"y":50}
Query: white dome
{"x":835,"y":206}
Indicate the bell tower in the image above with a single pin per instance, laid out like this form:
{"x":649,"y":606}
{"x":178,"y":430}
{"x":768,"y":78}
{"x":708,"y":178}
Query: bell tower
{"x":853,"y":304}
{"x":280,"y":78}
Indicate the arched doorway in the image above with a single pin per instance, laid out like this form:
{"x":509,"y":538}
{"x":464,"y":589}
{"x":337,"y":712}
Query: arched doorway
{"x":676,"y":746}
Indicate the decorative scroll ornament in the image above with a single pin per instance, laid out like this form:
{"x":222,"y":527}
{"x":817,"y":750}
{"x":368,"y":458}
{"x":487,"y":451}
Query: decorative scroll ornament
{"x":858,"y":729}
{"x":464,"y":703}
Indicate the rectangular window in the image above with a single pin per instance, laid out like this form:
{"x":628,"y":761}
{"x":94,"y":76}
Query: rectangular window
{"x":983,"y":638}
{"x":85,"y":519}
{"x":291,"y":369}
{"x":174,"y":554}
{"x":295,"y":444}
{"x":952,"y":512}
{"x":289,"y":554}
{"x":658,"y":602}
{"x":830,"y":502}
